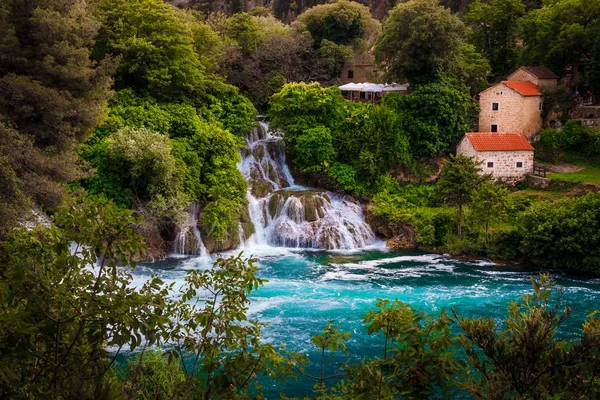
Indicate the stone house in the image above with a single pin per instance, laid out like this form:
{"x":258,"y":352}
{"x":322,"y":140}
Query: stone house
{"x":543,"y":77}
{"x":516,"y":105}
{"x":360,"y":69}
{"x":508,"y":157}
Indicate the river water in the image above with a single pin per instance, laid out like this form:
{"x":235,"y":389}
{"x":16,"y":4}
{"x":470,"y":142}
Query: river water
{"x":307,"y":289}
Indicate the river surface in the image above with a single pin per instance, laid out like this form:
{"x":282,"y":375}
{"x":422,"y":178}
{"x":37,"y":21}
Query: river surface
{"x":307,"y":289}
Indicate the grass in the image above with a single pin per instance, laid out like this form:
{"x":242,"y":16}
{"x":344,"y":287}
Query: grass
{"x":541,"y":194}
{"x":590,"y":174}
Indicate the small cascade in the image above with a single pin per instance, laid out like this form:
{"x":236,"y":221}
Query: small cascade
{"x":188,"y":240}
{"x":285,"y":214}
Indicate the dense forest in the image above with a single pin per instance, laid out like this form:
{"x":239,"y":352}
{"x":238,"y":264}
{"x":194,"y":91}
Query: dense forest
{"x":119,"y":116}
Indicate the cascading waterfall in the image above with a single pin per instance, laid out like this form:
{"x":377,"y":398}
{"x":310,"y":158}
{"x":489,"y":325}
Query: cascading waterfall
{"x":285,"y":214}
{"x":188,"y":239}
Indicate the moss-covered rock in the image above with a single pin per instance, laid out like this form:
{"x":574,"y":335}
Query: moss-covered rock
{"x":401,"y":236}
{"x":230,"y":242}
{"x":261,"y":188}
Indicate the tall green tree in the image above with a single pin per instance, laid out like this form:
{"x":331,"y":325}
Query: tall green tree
{"x":156,"y":48}
{"x":457,"y":184}
{"x":489,"y":205}
{"x":53,"y":94}
{"x":420,"y":40}
{"x":343,"y":22}
{"x":563,"y":34}
{"x":493,"y":30}
{"x":434,"y":116}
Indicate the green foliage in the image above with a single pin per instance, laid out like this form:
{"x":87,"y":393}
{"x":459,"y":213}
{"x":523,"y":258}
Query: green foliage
{"x":563,"y":34}
{"x":52,"y":97}
{"x":574,"y":136}
{"x":58,"y":315}
{"x":562,"y":234}
{"x":458,"y":183}
{"x":494,"y":28}
{"x":434,"y":116}
{"x":417,"y":360}
{"x":138,"y":166}
{"x":333,"y":56}
{"x":522,"y":358}
{"x":489,"y":205}
{"x":301,"y":106}
{"x":221,"y":347}
{"x":343,"y":23}
{"x":314,"y":149}
{"x":411,"y":51}
{"x":151,"y":374}
{"x":370,"y":135}
{"x":155,"y":45}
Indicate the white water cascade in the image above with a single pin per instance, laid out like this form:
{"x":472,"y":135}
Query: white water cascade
{"x":285,"y":214}
{"x":188,"y":240}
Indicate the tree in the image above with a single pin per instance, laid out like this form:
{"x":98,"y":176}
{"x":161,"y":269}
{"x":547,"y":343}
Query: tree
{"x":494,"y":28}
{"x":156,"y":48}
{"x":420,"y":40}
{"x":344,"y":23}
{"x":457,"y":184}
{"x":563,"y":34}
{"x":523,"y":358}
{"x":563,"y":234}
{"x":301,"y":106}
{"x":53,"y":94}
{"x":489,"y":204}
{"x":434,"y":116}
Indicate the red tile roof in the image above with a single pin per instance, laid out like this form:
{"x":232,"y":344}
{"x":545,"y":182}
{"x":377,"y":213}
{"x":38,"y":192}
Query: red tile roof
{"x":526,"y":88}
{"x":499,"y":141}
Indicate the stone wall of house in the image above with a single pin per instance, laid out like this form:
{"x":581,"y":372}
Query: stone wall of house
{"x":361,"y":73}
{"x":515,"y":113}
{"x":505,"y":162}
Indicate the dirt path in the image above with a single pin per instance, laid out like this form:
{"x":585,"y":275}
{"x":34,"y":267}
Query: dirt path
{"x":564,"y":168}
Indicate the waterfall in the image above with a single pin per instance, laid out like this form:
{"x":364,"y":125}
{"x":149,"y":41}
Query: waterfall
{"x":286,"y":214}
{"x":188,"y":239}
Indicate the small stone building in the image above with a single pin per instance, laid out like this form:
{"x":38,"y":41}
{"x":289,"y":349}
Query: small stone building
{"x":543,"y":77}
{"x":516,"y":105}
{"x":507,"y":157}
{"x":360,"y":69}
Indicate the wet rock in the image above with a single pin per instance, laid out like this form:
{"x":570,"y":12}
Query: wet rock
{"x":403,"y":241}
{"x":261,"y":188}
{"x":230,"y":242}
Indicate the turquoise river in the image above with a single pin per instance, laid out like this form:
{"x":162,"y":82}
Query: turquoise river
{"x":307,"y":289}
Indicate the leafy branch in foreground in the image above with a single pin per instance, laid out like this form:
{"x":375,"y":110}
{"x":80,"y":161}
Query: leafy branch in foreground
{"x":65,"y":300}
{"x":525,"y":360}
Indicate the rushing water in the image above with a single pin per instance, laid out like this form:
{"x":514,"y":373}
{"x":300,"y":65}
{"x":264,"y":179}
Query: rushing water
{"x":308,"y":289}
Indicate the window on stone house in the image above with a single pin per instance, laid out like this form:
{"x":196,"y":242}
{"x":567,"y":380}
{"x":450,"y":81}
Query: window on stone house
{"x":519,"y":164}
{"x":494,"y":128}
{"x":350,"y":74}
{"x":541,"y":105}
{"x":495,"y":106}
{"x":490,"y":164}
